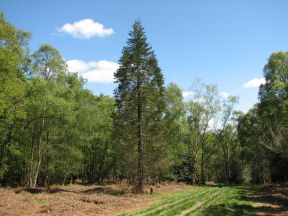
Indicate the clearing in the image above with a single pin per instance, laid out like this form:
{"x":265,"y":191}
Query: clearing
{"x":167,"y":199}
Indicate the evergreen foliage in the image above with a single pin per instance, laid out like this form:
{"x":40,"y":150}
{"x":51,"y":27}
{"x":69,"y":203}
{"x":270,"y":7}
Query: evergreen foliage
{"x":139,"y":102}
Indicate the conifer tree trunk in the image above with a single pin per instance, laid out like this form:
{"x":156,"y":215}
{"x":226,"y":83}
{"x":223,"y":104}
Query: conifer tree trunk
{"x":140,"y":167}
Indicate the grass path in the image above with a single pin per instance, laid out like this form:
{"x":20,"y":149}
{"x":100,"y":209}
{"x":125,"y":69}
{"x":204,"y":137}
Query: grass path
{"x":202,"y":201}
{"x":181,"y":202}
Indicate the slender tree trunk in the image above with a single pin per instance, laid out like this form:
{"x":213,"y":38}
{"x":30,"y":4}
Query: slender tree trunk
{"x":226,"y":167}
{"x":47,"y":183}
{"x":193,"y":170}
{"x":30,"y":169}
{"x":37,"y":169}
{"x":101,"y":169}
{"x":140,"y":166}
{"x":140,"y":171}
{"x":202,"y":164}
{"x":193,"y":162}
{"x":194,"y":144}
{"x":253,"y":172}
{"x":35,"y":176}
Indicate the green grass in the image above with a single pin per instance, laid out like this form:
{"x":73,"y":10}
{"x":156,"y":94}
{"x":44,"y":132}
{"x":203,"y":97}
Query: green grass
{"x":41,"y":201}
{"x":216,"y":201}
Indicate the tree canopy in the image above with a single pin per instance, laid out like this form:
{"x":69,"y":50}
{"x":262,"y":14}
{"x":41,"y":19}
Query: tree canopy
{"x":54,"y":131}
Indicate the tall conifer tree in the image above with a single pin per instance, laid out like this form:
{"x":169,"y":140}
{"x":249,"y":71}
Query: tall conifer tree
{"x":139,"y":98}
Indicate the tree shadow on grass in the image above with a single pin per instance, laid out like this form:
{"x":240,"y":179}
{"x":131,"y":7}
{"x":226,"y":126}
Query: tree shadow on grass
{"x":239,"y":210}
{"x":268,"y":200}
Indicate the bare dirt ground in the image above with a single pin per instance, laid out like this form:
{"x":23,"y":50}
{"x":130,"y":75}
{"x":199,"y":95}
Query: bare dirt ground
{"x":80,"y":200}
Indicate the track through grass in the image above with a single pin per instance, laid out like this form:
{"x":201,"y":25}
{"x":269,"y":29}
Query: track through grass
{"x":201,"y":201}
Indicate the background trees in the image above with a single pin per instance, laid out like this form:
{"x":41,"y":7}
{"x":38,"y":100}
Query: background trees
{"x":263,"y":130}
{"x":253,"y":155}
{"x":53,"y":131}
{"x":272,"y":112}
{"x":209,"y":118}
{"x":13,"y":62}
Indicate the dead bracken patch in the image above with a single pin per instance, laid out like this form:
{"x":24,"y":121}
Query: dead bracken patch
{"x":79,"y":200}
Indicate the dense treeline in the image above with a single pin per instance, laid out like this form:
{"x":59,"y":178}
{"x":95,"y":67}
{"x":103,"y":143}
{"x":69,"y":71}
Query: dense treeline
{"x":265,"y":126}
{"x":53,"y":131}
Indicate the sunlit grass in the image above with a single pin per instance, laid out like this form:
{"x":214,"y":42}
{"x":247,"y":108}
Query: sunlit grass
{"x":216,"y":201}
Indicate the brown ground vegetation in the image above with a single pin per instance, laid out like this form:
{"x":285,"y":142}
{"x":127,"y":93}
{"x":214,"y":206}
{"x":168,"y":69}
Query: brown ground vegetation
{"x":80,"y":200}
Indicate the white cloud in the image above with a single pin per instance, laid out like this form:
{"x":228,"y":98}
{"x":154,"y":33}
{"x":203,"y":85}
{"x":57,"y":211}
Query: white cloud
{"x":94,"y":71}
{"x":224,"y":94}
{"x":254,"y":83}
{"x":188,"y":93}
{"x":86,"y":28}
{"x":78,"y":66}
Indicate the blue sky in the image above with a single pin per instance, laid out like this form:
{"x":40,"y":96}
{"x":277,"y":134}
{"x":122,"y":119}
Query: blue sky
{"x":221,"y":42}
